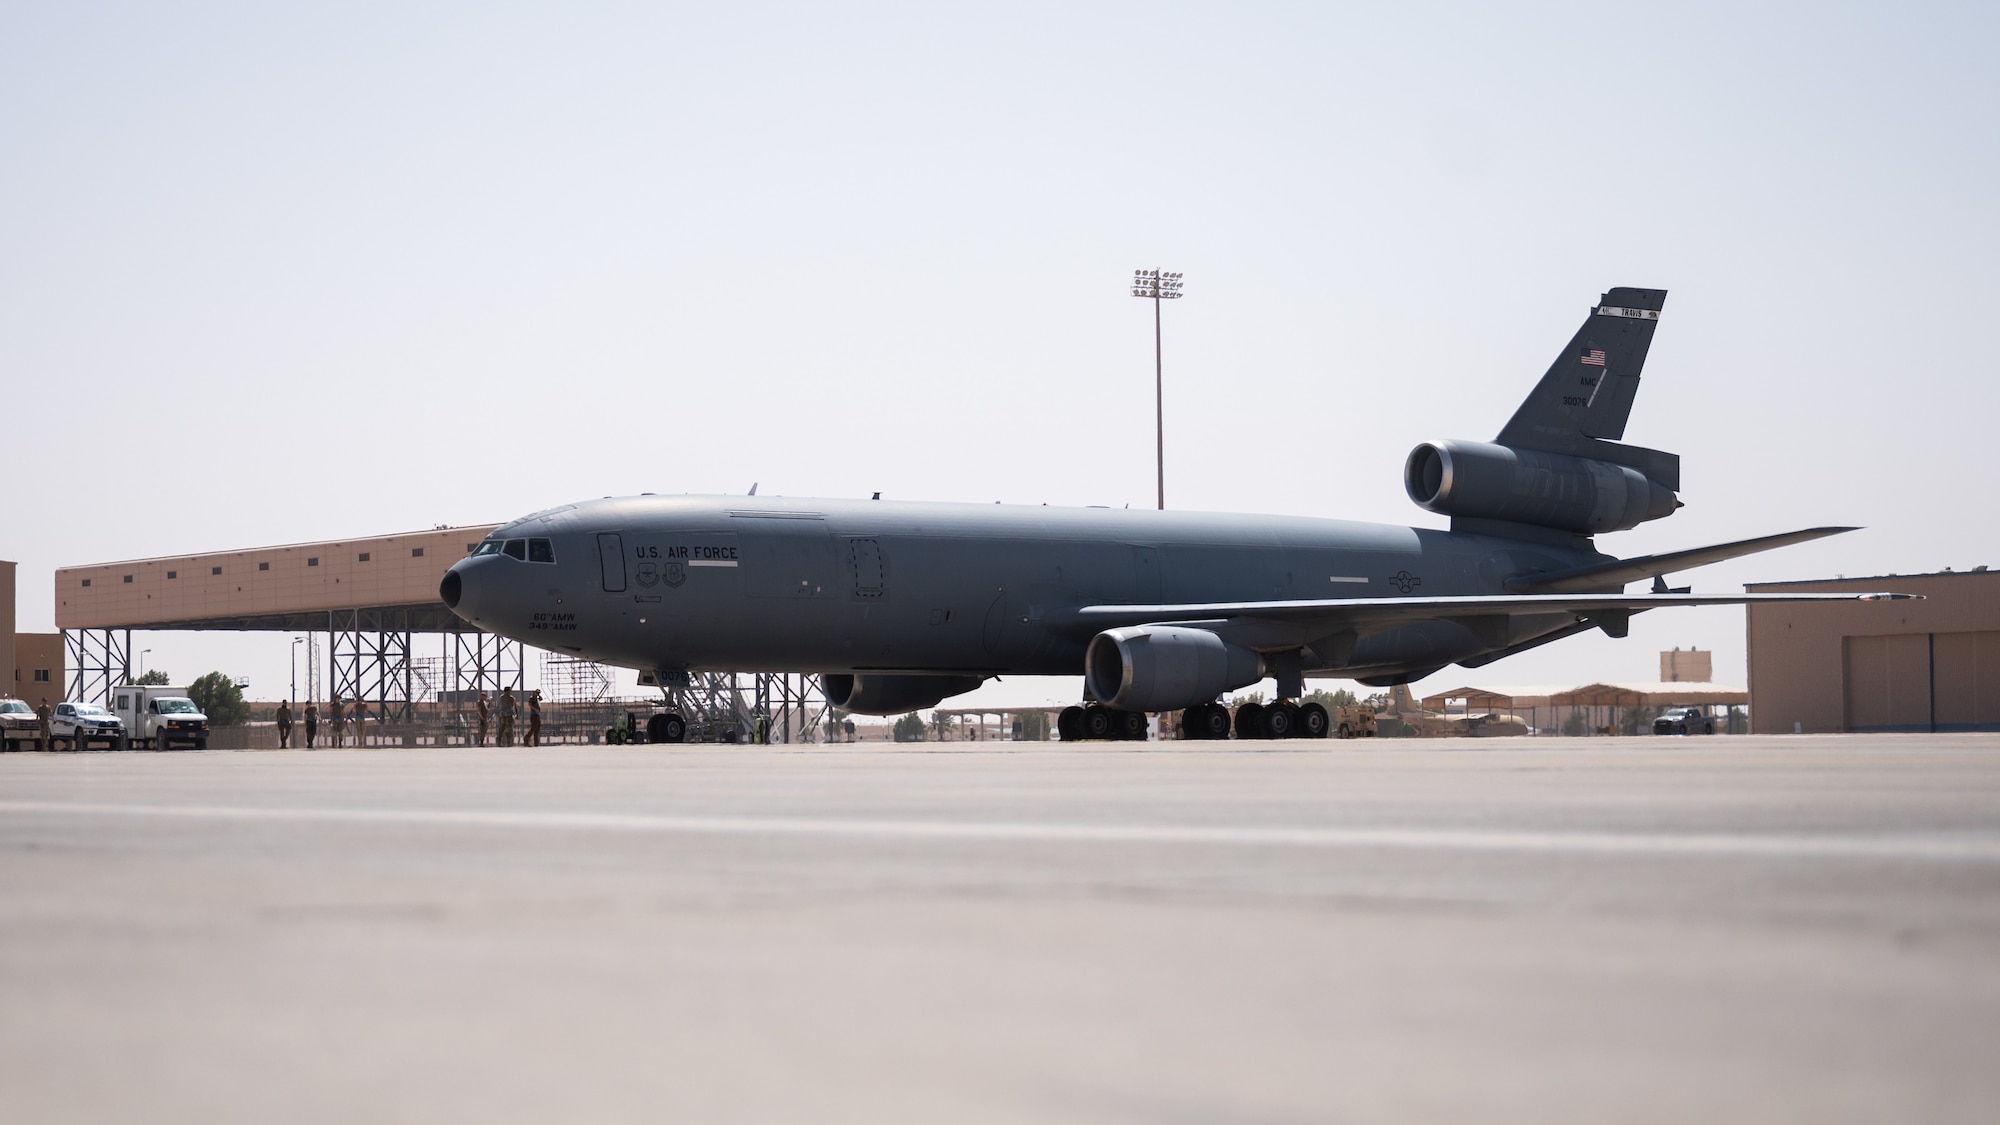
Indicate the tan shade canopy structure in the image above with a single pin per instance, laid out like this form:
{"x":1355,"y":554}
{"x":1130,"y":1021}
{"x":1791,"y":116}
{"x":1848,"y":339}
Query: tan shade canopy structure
{"x":1488,"y":699}
{"x":1651,"y":695}
{"x":288,"y":588}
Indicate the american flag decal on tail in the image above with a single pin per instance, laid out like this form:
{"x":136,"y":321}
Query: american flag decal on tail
{"x":1594,"y":357}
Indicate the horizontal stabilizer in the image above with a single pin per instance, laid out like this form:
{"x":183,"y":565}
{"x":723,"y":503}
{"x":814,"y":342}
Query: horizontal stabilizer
{"x":1621,"y":571}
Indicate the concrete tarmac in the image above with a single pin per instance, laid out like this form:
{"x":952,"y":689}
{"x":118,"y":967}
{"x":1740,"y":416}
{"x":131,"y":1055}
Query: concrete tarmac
{"x":1743,"y":929}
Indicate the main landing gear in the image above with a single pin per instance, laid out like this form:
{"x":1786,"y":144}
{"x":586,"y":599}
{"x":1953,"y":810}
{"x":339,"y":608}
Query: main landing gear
{"x":1094,"y":722}
{"x":1098,"y":723}
{"x":1282,"y":719}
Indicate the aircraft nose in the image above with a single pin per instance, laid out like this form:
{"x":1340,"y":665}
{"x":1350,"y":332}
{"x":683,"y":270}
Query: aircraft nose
{"x":459,"y":590}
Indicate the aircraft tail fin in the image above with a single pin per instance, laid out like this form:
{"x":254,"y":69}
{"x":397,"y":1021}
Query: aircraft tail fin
{"x":1586,"y":397}
{"x":1401,"y":700}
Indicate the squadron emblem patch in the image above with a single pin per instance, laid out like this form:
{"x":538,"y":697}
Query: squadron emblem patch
{"x":646,"y":575}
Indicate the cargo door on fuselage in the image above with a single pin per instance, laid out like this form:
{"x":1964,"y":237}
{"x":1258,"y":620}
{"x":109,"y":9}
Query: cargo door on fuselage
{"x":611,"y":561}
{"x":864,"y":558}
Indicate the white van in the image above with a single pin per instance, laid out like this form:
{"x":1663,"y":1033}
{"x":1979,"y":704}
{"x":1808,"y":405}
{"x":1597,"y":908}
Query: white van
{"x":159,"y":716}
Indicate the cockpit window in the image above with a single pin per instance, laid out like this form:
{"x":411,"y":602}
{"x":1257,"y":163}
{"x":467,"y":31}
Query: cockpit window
{"x":516,"y":549}
{"x":541,"y":551}
{"x":490,"y":547}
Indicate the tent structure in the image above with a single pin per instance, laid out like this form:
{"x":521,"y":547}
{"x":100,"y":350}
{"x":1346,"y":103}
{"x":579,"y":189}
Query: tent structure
{"x":1546,"y":708}
{"x":1602,"y":704}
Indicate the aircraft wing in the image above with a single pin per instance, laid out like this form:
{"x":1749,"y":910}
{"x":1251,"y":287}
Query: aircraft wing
{"x":1374,"y":614}
{"x":1622,"y":571}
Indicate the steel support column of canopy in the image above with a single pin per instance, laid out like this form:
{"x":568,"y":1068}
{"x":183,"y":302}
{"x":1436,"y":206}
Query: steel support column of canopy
{"x":99,"y":660}
{"x":368,"y":658}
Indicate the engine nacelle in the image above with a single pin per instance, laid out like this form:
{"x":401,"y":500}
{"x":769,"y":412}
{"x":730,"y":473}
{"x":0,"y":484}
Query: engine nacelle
{"x":878,"y":694}
{"x":1477,"y":480}
{"x":1165,"y":667}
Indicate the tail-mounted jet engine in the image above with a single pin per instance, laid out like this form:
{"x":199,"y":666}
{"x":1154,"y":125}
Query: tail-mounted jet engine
{"x":1476,"y":480}
{"x":1164,"y":667}
{"x":877,"y":694}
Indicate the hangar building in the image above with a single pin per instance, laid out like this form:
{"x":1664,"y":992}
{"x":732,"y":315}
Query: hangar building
{"x":1932,"y":665}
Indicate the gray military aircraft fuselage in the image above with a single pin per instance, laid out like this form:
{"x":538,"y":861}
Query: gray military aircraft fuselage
{"x":899,"y":605}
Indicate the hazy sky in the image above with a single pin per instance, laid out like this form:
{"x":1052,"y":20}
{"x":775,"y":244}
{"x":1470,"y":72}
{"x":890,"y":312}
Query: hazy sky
{"x":272,"y":273}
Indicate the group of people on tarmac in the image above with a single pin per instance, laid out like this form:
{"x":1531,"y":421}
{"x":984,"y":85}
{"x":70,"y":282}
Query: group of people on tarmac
{"x":339,"y":715}
{"x":507,"y":710}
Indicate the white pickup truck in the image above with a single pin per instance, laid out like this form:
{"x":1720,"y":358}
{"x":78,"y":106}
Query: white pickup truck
{"x":84,"y":725}
{"x":159,"y":716}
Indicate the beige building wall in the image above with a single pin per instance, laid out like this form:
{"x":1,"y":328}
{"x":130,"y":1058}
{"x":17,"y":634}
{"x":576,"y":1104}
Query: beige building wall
{"x":7,"y":622}
{"x":1878,"y":665}
{"x":41,"y":670}
{"x":385,"y":570}
{"x":1687,"y":665}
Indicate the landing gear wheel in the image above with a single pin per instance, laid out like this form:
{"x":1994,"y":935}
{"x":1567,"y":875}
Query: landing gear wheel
{"x":1205,"y":721}
{"x":1097,"y":723}
{"x":1313,"y":721}
{"x":1128,"y":726}
{"x":1250,"y":721}
{"x":666,"y":727}
{"x":1215,"y":720}
{"x":1281,"y":720}
{"x":1069,"y":724}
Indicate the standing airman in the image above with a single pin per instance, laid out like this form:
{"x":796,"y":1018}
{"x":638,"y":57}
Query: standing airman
{"x":507,"y":716}
{"x":485,"y":712}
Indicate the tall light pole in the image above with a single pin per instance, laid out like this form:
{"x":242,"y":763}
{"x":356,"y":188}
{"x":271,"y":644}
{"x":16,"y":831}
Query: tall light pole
{"x":142,"y":662}
{"x":1160,"y":285}
{"x":296,"y":642}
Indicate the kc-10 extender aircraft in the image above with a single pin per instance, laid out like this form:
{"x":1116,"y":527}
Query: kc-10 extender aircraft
{"x":900,"y":605}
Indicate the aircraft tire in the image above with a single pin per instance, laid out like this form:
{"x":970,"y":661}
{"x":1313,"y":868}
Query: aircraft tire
{"x":1281,"y":720}
{"x":1215,"y":721}
{"x":1069,"y":724}
{"x":666,"y":727}
{"x":1097,"y":723}
{"x":1129,"y":726}
{"x":1205,"y":721}
{"x":1250,"y":721}
{"x":1313,"y":721}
